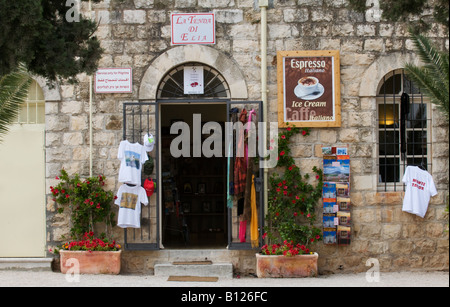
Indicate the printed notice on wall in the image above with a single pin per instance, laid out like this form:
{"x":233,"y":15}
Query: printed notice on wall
{"x":193,"y":80}
{"x":309,"y":88}
{"x":197,"y":28}
{"x":113,"y":80}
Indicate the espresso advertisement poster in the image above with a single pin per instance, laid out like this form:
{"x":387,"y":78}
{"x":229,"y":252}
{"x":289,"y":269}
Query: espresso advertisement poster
{"x":308,"y":84}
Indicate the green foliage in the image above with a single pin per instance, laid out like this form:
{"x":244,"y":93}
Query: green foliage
{"x":38,"y":34}
{"x":441,"y":13}
{"x":401,"y":10}
{"x":87,"y":201}
{"x":357,"y":5}
{"x":292,"y":200}
{"x":13,"y":92}
{"x":433,"y":77}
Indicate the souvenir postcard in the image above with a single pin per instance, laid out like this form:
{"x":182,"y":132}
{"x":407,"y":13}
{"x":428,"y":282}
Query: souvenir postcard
{"x":329,"y":220}
{"x":329,"y":190}
{"x":329,"y":236}
{"x":341,"y":151}
{"x":327,"y":151}
{"x":344,"y":218}
{"x":343,"y":204}
{"x":336,"y":170}
{"x":330,"y":207}
{"x":342,"y":190}
{"x":343,"y":235}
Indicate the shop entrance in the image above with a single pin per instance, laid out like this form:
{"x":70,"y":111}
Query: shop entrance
{"x":193,"y":206}
{"x":195,"y":203}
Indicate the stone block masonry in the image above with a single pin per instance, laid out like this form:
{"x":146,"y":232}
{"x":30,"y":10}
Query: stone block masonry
{"x":137,"y":34}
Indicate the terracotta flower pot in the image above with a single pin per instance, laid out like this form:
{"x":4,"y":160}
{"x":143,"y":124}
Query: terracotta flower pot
{"x":272,"y":266}
{"x":90,"y":262}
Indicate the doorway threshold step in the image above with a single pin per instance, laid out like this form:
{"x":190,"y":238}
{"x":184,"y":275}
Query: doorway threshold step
{"x":26,"y":264}
{"x":194,"y":268}
{"x":204,"y":262}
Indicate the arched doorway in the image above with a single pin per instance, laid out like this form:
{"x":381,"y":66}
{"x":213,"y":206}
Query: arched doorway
{"x":194,"y":213}
{"x":162,"y":102}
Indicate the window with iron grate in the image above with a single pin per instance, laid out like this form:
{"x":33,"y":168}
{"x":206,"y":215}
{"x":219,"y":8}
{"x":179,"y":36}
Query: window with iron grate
{"x":416,"y":135}
{"x":33,"y":109}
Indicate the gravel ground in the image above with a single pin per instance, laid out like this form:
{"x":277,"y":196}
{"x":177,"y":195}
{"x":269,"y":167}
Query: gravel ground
{"x":14,"y":278}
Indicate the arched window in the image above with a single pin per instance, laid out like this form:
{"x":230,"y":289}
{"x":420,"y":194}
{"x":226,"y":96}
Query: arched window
{"x":402,"y":140}
{"x":172,"y":85}
{"x":33,"y":109}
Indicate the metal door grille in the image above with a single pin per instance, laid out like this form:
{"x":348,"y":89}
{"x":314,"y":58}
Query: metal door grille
{"x":140,"y":118}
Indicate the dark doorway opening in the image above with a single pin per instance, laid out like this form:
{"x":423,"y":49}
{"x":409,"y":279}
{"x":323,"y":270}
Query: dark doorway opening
{"x":194,"y":212}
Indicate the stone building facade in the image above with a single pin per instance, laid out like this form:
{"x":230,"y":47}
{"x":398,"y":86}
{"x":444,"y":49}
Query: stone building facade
{"x":136,"y":33}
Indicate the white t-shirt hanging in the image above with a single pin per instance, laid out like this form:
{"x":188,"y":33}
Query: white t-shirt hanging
{"x":131,"y":156}
{"x":129,"y":200}
{"x":419,"y":189}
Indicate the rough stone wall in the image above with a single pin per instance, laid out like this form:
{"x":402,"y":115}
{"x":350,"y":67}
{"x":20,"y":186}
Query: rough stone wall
{"x":135,"y":33}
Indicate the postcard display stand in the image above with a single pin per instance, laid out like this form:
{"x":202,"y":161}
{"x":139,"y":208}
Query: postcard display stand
{"x":336,"y":196}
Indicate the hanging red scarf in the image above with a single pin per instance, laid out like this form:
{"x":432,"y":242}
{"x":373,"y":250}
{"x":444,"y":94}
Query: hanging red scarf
{"x":240,"y":164}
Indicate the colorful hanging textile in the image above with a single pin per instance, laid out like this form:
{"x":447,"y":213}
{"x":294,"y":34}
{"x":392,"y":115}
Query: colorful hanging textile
{"x":240,"y":166}
{"x":242,"y":231}
{"x":250,"y":167}
{"x":254,"y":220}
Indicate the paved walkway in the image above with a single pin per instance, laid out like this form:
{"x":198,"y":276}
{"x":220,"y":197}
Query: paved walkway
{"x":13,"y":278}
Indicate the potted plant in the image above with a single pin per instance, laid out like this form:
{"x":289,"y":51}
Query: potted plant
{"x":94,"y":255}
{"x":286,"y":260}
{"x":290,"y":231}
{"x":89,"y":205}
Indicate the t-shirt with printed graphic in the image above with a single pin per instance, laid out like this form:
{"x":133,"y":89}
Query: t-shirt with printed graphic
{"x":131,"y":156}
{"x":419,"y":189}
{"x":129,"y":200}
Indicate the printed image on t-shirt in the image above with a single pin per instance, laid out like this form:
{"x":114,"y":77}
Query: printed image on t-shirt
{"x":132,"y":159}
{"x":128,"y":201}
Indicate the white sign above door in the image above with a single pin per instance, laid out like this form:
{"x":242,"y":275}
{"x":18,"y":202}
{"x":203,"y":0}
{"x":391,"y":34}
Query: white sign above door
{"x":196,"y":28}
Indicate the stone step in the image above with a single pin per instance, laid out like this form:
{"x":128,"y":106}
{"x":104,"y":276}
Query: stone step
{"x":194,"y":268}
{"x":26,"y":264}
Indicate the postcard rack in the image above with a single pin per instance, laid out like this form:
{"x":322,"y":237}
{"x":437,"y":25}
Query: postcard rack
{"x":336,"y":196}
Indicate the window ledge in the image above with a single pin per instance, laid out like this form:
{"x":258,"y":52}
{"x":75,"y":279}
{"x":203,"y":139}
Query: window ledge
{"x":388,"y":197}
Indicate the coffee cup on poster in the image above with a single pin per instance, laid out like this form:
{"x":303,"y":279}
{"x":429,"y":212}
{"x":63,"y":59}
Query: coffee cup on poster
{"x":308,"y":85}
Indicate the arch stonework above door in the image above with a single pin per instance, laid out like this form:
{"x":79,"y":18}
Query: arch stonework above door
{"x":192,"y":53}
